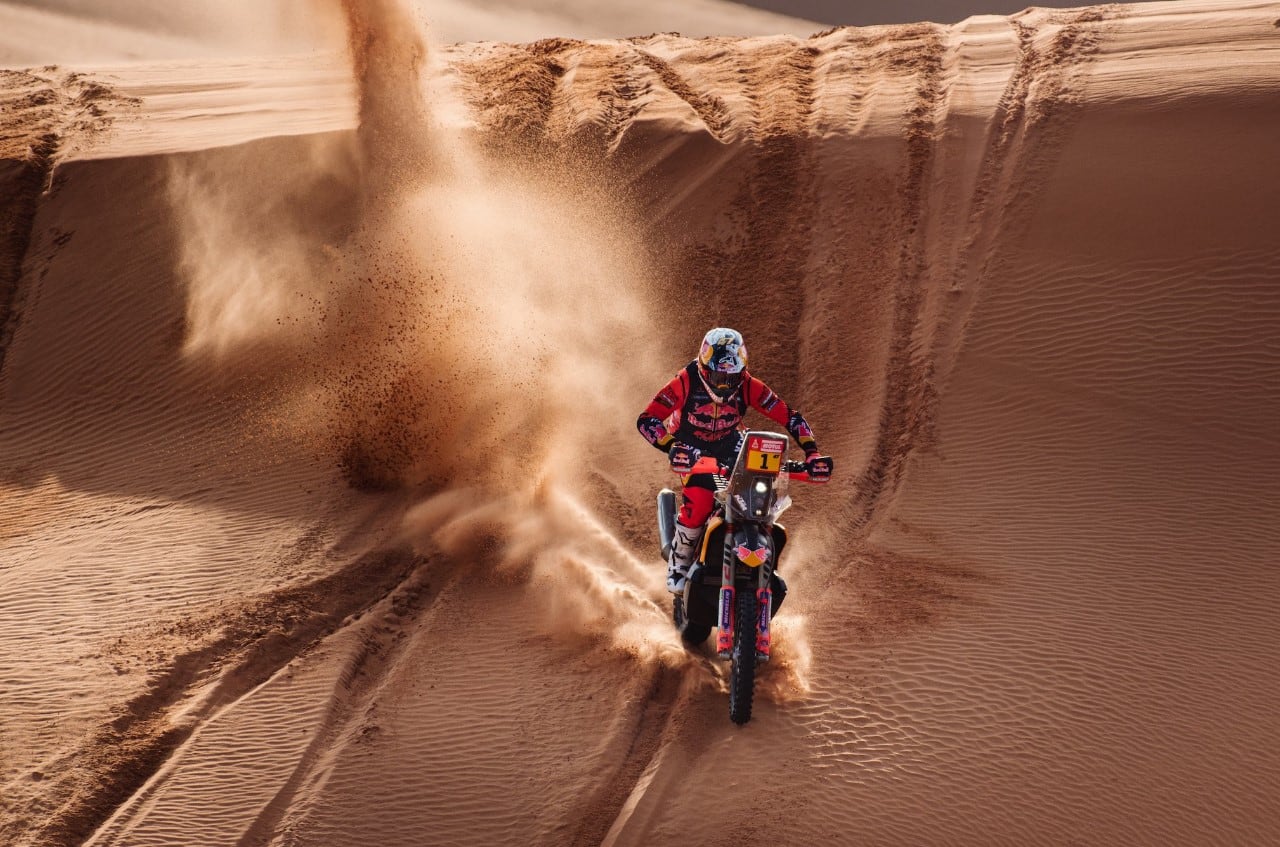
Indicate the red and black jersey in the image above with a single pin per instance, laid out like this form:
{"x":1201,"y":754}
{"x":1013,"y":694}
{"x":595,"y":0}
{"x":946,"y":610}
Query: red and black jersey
{"x":684,"y":410}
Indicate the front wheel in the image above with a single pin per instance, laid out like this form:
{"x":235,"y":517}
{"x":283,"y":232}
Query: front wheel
{"x":742,"y":667}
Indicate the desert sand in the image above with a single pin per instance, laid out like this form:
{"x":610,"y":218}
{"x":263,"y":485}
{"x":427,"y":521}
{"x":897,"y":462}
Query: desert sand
{"x":323,"y":519}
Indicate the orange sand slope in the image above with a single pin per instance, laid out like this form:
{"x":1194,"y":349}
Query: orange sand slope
{"x":322,"y":517}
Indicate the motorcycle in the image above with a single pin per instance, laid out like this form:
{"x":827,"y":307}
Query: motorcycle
{"x":733,"y":585}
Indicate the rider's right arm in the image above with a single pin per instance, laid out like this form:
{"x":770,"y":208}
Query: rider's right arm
{"x":651,"y":421}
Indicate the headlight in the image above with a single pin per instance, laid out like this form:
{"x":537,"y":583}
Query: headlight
{"x":760,"y":497}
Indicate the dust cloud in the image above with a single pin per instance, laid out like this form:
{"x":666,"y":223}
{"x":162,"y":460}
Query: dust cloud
{"x":455,"y":326}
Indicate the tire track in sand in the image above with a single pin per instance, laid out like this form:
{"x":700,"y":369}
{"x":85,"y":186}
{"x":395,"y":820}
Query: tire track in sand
{"x":767,"y":249}
{"x":361,"y":683}
{"x":778,"y":203}
{"x":1021,"y":146}
{"x":621,"y":101}
{"x":906,"y":416}
{"x":513,"y":92}
{"x":242,"y":648}
{"x":635,"y":751}
{"x":706,"y":105}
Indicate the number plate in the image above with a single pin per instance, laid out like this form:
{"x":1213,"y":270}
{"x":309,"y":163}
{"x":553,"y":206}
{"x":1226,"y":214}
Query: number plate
{"x":764,"y":455}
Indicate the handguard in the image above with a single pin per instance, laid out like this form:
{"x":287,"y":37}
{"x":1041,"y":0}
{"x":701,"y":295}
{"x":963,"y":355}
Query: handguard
{"x":683,"y":457}
{"x":819,"y":468}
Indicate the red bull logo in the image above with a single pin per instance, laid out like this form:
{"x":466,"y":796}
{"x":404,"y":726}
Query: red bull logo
{"x":752,"y":558}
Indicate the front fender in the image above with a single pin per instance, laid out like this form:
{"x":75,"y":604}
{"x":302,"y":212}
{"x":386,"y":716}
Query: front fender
{"x":752,"y":545}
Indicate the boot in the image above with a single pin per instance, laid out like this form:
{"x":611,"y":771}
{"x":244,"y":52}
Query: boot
{"x":684,"y":549}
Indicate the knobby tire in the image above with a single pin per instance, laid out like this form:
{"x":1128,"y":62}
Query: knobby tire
{"x":742,"y":668}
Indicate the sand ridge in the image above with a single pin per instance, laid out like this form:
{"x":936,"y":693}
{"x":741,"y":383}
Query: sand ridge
{"x":1017,"y":271}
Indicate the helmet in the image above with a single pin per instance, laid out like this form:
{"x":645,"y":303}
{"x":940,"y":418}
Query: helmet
{"x":722,"y":361}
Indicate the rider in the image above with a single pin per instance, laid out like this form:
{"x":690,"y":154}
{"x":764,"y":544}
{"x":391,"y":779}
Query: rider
{"x":705,"y":404}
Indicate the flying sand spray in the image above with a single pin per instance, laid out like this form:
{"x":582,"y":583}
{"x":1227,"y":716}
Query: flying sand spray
{"x":476,"y":334}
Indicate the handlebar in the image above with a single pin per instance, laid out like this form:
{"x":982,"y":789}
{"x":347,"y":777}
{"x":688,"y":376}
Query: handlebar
{"x":709,"y":464}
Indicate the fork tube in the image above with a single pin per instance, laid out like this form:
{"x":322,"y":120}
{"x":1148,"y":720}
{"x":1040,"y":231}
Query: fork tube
{"x":724,"y":637}
{"x":764,"y":607}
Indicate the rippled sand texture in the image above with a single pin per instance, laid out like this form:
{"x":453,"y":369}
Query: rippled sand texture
{"x":280,"y":563}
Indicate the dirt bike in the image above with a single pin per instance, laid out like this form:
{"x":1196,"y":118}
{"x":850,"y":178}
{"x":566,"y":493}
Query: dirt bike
{"x":733,"y":586}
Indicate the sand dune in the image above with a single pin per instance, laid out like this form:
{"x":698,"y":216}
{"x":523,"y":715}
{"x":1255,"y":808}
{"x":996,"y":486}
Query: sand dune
{"x":322,"y":517}
{"x":81,"y":32}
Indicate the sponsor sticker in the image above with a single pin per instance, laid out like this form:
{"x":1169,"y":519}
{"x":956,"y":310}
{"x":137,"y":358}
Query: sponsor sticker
{"x":726,"y":609}
{"x":764,"y":455}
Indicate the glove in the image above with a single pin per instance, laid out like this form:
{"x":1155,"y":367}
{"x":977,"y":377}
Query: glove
{"x":819,"y":467}
{"x":683,"y":457}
